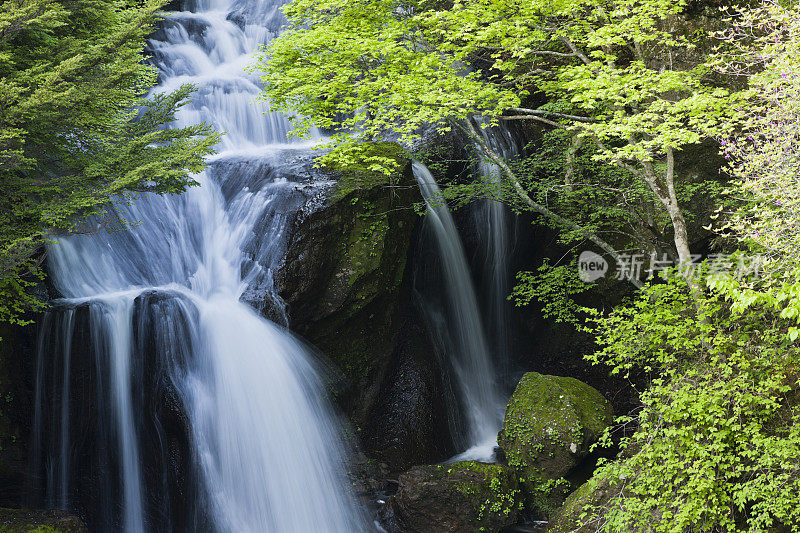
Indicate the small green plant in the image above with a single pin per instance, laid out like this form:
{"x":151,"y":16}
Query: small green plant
{"x":555,"y":288}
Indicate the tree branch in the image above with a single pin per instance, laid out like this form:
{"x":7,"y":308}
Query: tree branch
{"x":537,"y":119}
{"x":544,"y":113}
{"x":575,"y":50}
{"x":467,"y":127}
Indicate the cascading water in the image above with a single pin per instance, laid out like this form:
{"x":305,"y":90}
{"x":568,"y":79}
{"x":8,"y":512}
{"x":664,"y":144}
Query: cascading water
{"x":165,"y":403}
{"x":491,"y":218}
{"x":476,"y":377}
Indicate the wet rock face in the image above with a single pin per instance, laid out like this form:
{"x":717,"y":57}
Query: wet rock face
{"x":83,"y":414}
{"x":404,"y":427}
{"x":346,"y":284}
{"x":27,"y":520}
{"x":549,"y":425}
{"x":461,"y":497}
{"x":342,"y":281}
{"x":346,"y":254}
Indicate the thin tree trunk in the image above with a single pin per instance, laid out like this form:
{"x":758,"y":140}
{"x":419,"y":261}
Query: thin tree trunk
{"x":668,"y":198}
{"x":675,"y":213}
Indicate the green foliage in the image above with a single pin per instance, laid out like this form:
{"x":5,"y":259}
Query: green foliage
{"x":620,"y":74}
{"x":564,"y":173}
{"x":546,"y":496}
{"x":626,"y":76}
{"x":381,"y":65}
{"x":716,"y":444}
{"x":611,"y":202}
{"x":438,"y":157}
{"x":718,"y":437}
{"x":366,"y":66}
{"x":555,"y":288}
{"x":366,"y":165}
{"x":74,"y":130}
{"x":763,"y":151}
{"x":16,"y":297}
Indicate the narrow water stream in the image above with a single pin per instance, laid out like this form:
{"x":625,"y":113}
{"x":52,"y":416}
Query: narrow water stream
{"x":469,"y":353}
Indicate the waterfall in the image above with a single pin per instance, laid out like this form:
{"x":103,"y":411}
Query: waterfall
{"x":164,"y":402}
{"x":492,"y":218}
{"x":469,"y":355}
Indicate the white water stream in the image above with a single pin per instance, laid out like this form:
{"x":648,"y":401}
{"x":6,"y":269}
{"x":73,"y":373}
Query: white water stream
{"x":266,"y":444}
{"x":470,"y":357}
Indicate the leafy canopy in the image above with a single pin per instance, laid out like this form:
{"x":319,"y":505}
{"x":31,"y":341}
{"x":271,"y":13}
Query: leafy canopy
{"x":623,"y":70}
{"x":624,"y":74}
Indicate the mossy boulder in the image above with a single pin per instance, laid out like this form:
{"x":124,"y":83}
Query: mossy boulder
{"x":36,"y":521}
{"x":568,"y":519}
{"x":343,"y":273}
{"x":462,"y":497}
{"x":549,"y":425}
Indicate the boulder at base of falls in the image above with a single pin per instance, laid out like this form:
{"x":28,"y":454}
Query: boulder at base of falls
{"x":549,"y":425}
{"x":461,"y":497}
{"x":568,"y":519}
{"x":36,"y":521}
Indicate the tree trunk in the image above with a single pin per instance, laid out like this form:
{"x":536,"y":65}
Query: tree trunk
{"x":681,"y":234}
{"x":675,"y":214}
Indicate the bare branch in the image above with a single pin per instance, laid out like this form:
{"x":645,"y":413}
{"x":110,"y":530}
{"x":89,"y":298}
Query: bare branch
{"x":545,"y":113}
{"x":537,"y":119}
{"x":467,"y":127}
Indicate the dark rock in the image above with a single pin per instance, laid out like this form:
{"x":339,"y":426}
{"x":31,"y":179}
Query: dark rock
{"x":549,"y":425}
{"x":176,"y":5}
{"x":369,"y":478}
{"x":29,"y":520}
{"x":461,"y":497}
{"x":92,"y":464}
{"x":17,"y":360}
{"x":342,"y":279}
{"x":404,"y":426}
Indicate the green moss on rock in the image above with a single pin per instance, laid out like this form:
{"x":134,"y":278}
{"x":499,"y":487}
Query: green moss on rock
{"x":36,"y":521}
{"x":343,"y":270}
{"x":462,"y":497}
{"x":549,"y":425}
{"x":573,"y":516}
